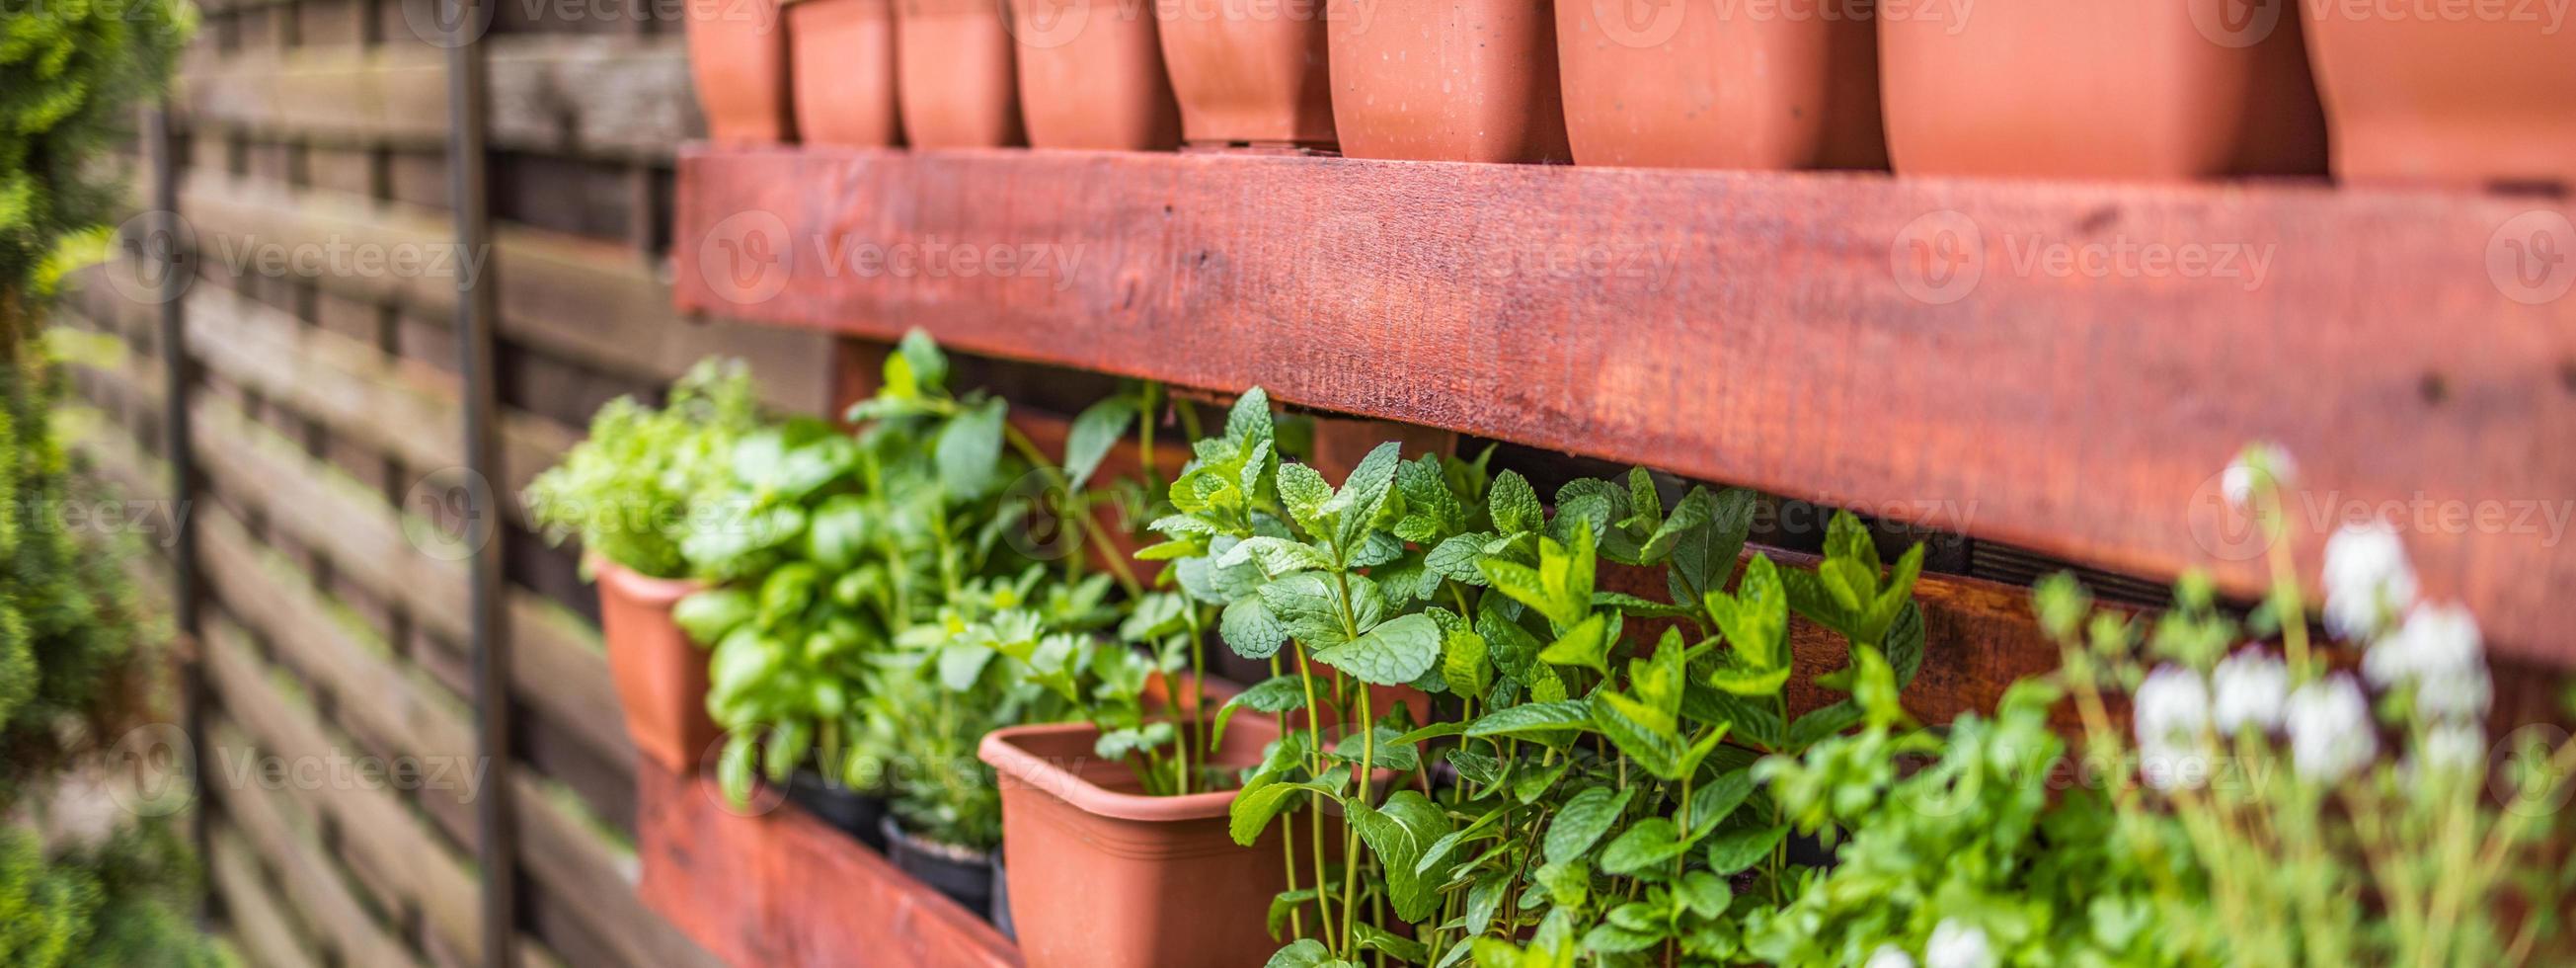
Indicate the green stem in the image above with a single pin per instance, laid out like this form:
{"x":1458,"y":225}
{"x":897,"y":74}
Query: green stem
{"x":1315,"y":815}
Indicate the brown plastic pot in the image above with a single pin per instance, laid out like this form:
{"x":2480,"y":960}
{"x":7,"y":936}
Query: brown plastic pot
{"x":2096,"y":89}
{"x":1103,"y":876}
{"x":954,"y":74}
{"x":843,"y":53}
{"x":1091,"y":76}
{"x":2464,"y":101}
{"x":1250,"y":72}
{"x":1447,"y":80}
{"x":738,"y":58}
{"x":1672,"y":84}
{"x":661,"y":677}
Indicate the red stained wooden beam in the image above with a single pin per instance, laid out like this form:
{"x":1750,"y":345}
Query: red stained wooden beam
{"x":2061,"y":366}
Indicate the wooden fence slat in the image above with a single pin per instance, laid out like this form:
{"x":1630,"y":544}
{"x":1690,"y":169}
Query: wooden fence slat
{"x":607,"y":98}
{"x":259,"y":921}
{"x":312,"y":882}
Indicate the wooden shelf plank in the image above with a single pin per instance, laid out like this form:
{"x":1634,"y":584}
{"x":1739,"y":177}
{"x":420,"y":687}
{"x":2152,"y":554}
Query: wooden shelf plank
{"x":781,"y":888}
{"x":1760,"y":329}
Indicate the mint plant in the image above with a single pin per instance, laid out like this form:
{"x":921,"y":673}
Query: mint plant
{"x":1591,"y":802}
{"x":648,"y":478}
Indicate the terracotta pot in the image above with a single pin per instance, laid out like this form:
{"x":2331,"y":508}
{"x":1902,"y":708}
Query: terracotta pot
{"x":1693,"y":84}
{"x":661,"y":676}
{"x":1091,"y":76}
{"x":738,"y":58}
{"x":1249,"y":72}
{"x":964,"y":876}
{"x":1447,"y":80}
{"x":954,"y":74}
{"x":2463,"y":100}
{"x":2095,"y":89}
{"x":844,"y":72}
{"x":1103,"y":875}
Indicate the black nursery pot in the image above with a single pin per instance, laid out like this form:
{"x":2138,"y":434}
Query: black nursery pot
{"x":965,"y":876}
{"x":860,"y":815}
{"x":1002,"y":901}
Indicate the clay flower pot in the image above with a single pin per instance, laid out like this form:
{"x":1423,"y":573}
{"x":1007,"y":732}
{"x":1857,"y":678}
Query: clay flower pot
{"x":844,"y":71}
{"x":1447,"y":80}
{"x":1103,"y":875}
{"x":1249,"y":72}
{"x":954,"y":74}
{"x":1677,"y":84}
{"x":738,"y":58}
{"x":2466,"y":101}
{"x":2096,"y":89}
{"x":661,"y":676}
{"x":1091,"y":76}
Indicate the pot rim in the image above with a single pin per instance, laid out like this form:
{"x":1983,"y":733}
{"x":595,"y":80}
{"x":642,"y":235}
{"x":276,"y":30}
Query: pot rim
{"x":1000,"y":749}
{"x":612,"y":575}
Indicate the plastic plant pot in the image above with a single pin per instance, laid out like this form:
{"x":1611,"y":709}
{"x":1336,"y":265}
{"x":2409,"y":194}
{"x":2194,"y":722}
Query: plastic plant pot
{"x":843,"y":55}
{"x":856,"y":813}
{"x":1447,"y":80}
{"x":1103,"y":875}
{"x":738,"y":60}
{"x":2095,"y":89}
{"x":1091,"y":76}
{"x":964,"y":876}
{"x":1670,"y":84}
{"x":1252,"y":73}
{"x":954,"y":74}
{"x":661,"y":676}
{"x":2469,"y":101}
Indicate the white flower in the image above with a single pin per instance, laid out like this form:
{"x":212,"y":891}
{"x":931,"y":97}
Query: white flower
{"x":2256,"y":462}
{"x":2172,"y":709}
{"x":2237,"y":482}
{"x":2249,"y":688}
{"x":2330,"y":730}
{"x":2440,"y":652}
{"x":1956,"y":945}
{"x":2454,"y":746}
{"x":1890,"y":956}
{"x":2367,"y":579}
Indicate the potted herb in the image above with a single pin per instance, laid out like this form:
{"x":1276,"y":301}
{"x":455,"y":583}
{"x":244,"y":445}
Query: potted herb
{"x":1447,"y":80}
{"x":631,"y":493}
{"x":1091,"y":76}
{"x":1249,"y":72}
{"x":2098,"y":89}
{"x":1694,"y":85}
{"x":954,"y":77}
{"x":738,"y":59}
{"x":843,"y":58}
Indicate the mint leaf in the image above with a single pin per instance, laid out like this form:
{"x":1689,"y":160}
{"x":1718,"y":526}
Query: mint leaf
{"x":1650,"y":843}
{"x":1250,"y":629}
{"x":1583,"y":820}
{"x":1514,"y":505}
{"x":1737,"y":849}
{"x":1393,"y":653}
{"x":1095,"y":431}
{"x":969,"y":451}
{"x":1400,"y":833}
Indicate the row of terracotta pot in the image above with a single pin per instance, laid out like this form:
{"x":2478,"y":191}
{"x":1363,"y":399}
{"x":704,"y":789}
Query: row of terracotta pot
{"x":2089,"y":88}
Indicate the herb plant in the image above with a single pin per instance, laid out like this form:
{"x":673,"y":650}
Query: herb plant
{"x":646,"y":479}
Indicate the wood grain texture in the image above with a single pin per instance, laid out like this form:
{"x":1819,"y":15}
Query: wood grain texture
{"x":1755,"y":329}
{"x":783,"y":890}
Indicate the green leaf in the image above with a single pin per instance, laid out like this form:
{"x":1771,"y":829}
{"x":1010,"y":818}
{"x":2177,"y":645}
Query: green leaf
{"x":708,"y":615}
{"x":1399,"y":833}
{"x":1734,"y":850}
{"x":1277,"y":694}
{"x":1586,"y":645}
{"x":1704,"y":893}
{"x":1750,"y":682}
{"x":1755,"y":620}
{"x":1514,"y":505}
{"x":1647,"y":734}
{"x":969,"y":451}
{"x":1250,"y":421}
{"x":1583,"y":820}
{"x":1304,"y":493}
{"x":1704,"y":555}
{"x":1756,"y":721}
{"x":1363,"y":494}
{"x":1615,"y":940}
{"x":1275,"y":556}
{"x":1255,"y":806}
{"x":1649,"y":843}
{"x":1250,"y":629}
{"x":1306,"y":953}
{"x":1094,"y":432}
{"x":1373,"y":938}
{"x":1307,"y":607}
{"x":1393,"y":653}
{"x":1713,"y":803}
{"x":926,"y":368}
{"x":1535,"y":718}
{"x":1823,"y":723}
{"x":1455,"y":557}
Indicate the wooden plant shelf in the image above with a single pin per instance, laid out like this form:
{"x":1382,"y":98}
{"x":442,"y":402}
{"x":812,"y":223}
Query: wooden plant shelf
{"x":784,"y":889}
{"x":1809,"y":335}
